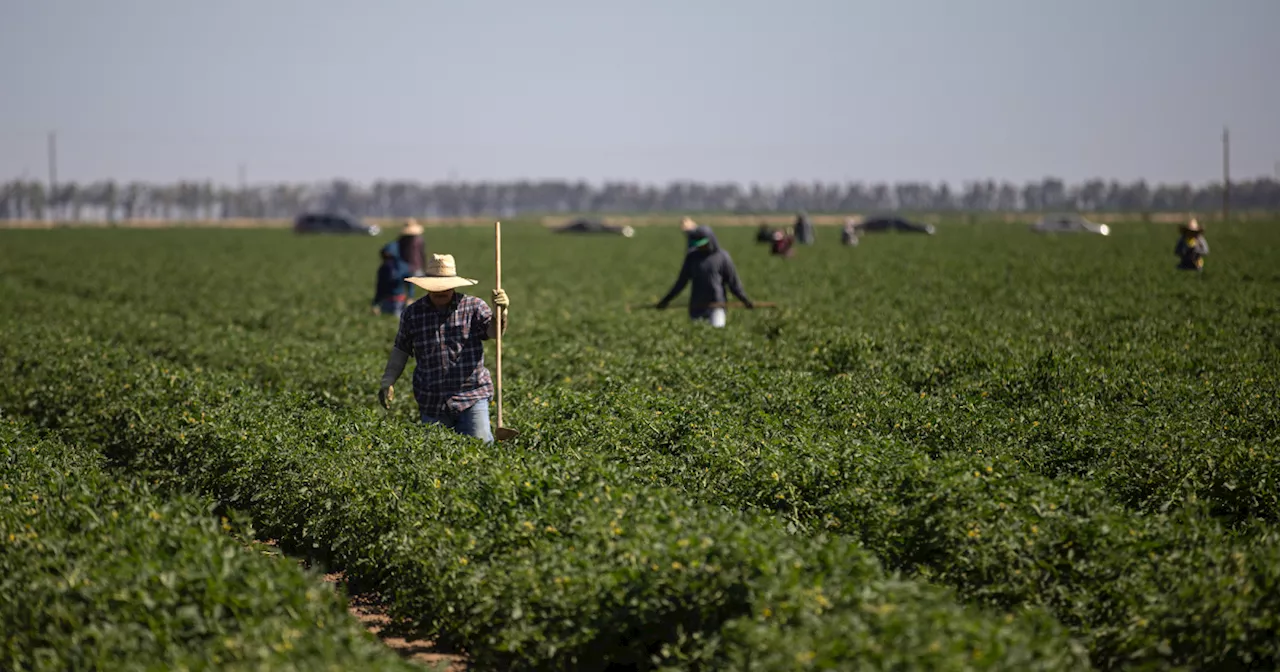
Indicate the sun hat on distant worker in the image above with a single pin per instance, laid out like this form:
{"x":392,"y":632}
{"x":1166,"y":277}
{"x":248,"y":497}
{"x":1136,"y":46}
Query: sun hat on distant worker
{"x":441,"y":275}
{"x":411,"y":228}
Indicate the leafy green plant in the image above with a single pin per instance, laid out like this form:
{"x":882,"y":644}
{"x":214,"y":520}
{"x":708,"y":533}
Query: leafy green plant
{"x":104,"y":573}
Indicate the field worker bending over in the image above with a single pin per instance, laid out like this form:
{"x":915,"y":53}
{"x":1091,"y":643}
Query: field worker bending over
{"x":849,"y":233}
{"x":445,"y":335}
{"x":1192,"y":247}
{"x":389,"y":287}
{"x":709,"y":268}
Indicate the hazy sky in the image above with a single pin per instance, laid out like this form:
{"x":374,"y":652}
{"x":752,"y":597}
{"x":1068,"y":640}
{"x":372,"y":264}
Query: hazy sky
{"x":649,"y":90}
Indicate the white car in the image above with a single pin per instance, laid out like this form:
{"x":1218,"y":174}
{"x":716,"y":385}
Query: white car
{"x":1069,"y":223}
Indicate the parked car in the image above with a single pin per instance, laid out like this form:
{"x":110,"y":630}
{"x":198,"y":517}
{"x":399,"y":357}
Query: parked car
{"x":893,"y":224}
{"x":595,"y":226}
{"x":317,"y":222}
{"x":1069,"y":223}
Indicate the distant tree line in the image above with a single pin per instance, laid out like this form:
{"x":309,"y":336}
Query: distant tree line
{"x":109,"y":200}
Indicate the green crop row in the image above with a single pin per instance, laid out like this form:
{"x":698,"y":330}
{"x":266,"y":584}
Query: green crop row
{"x":525,"y":560}
{"x":1084,"y":372}
{"x":1154,"y":387}
{"x":101,"y":573}
{"x":1173,"y":587}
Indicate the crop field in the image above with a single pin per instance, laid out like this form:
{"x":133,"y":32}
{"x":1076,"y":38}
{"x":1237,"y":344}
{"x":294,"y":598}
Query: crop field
{"x":983,"y":449}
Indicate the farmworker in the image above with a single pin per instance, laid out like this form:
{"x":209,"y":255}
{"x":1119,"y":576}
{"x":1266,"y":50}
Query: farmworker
{"x":389,"y":296}
{"x":849,"y":233}
{"x":709,"y":268}
{"x":445,"y":335}
{"x":764,"y":234}
{"x":803,"y":229}
{"x":1192,"y":247}
{"x":783,"y":243}
{"x":413,"y":250}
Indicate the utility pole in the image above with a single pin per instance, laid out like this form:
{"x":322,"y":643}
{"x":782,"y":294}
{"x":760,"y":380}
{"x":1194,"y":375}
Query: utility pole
{"x":53,"y":175}
{"x":242,"y":198}
{"x":1226,"y":175}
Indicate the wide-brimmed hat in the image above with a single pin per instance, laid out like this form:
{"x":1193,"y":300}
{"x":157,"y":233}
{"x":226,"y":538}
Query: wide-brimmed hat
{"x":442,"y":275}
{"x":687,"y":224}
{"x":411,"y":227}
{"x":1192,"y":226}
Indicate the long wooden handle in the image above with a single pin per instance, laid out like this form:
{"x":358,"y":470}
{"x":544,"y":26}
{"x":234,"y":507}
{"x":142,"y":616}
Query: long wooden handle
{"x":497,"y":262}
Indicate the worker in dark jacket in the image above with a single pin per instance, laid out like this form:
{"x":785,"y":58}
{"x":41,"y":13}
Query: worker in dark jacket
{"x":1192,"y":247}
{"x":413,"y":250}
{"x":710,"y":269}
{"x":804,"y":229}
{"x":389,"y":294}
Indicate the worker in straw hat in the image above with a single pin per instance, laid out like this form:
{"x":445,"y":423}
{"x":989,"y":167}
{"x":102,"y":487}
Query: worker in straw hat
{"x":445,"y":335}
{"x":413,"y":249}
{"x":1192,"y":247}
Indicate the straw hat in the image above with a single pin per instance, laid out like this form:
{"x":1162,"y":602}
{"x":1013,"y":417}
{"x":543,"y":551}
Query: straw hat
{"x":687,"y":225}
{"x":1192,"y":226}
{"x":411,"y":227}
{"x":441,"y":275}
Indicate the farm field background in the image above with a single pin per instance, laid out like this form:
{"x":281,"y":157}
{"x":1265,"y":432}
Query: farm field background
{"x":982,"y":449}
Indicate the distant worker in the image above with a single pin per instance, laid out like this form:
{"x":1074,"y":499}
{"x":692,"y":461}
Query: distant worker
{"x":445,"y":334}
{"x":710,"y":269}
{"x":804,"y":229}
{"x":413,"y":249}
{"x":389,"y":292}
{"x":1192,"y":247}
{"x":764,"y":234}
{"x":849,"y":233}
{"x":783,"y":244}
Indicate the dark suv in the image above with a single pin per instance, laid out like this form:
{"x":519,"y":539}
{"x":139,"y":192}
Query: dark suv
{"x":333,"y":223}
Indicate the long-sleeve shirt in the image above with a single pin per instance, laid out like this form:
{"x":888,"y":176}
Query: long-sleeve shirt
{"x":1191,"y":250}
{"x":389,"y":280}
{"x":448,"y":346}
{"x":709,"y":272}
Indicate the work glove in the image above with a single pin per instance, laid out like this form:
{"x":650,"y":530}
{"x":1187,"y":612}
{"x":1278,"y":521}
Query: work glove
{"x":500,"y":299}
{"x":661,"y":305}
{"x":386,"y":395}
{"x":749,"y":305}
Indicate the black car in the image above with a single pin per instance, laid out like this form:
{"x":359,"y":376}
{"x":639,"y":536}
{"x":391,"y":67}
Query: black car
{"x":595,"y":226}
{"x":893,"y":224}
{"x":333,"y":223}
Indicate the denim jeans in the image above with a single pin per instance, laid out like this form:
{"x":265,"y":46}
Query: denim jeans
{"x":472,"y":422}
{"x":714,"y":315}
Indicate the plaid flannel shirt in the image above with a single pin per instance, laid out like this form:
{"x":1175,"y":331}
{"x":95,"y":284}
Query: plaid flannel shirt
{"x":448,"y":347}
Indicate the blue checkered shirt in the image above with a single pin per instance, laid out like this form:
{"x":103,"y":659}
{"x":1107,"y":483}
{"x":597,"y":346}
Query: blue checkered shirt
{"x":448,"y":347}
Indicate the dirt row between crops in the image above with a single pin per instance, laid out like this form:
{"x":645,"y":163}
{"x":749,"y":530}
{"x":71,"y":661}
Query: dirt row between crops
{"x":367,"y":608}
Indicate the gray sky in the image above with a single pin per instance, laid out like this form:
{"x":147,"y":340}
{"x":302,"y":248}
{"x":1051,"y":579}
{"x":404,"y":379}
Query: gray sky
{"x":649,"y":90}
